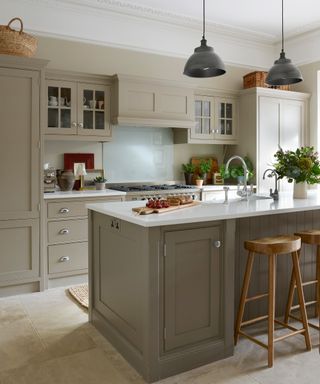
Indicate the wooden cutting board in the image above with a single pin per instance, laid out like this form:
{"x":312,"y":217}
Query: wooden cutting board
{"x":148,"y":211}
{"x":214,"y":167}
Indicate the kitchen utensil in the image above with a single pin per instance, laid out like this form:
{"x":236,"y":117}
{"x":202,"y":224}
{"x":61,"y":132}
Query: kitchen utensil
{"x":148,"y":211}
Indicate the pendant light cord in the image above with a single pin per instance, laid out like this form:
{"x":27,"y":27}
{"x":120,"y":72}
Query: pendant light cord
{"x":203,"y":18}
{"x":282,"y":50}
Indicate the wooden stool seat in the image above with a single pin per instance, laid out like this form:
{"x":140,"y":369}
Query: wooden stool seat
{"x":311,"y":237}
{"x":274,"y":245}
{"x":271,"y":247}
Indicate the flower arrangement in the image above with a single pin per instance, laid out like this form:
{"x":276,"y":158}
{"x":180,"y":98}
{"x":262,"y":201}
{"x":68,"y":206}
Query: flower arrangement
{"x":301,"y":165}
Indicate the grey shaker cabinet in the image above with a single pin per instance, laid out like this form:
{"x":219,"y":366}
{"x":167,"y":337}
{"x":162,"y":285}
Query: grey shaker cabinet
{"x":20,"y":89}
{"x":193,"y":294}
{"x":163,"y":296}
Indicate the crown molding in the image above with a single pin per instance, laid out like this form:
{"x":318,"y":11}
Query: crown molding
{"x":107,"y":22}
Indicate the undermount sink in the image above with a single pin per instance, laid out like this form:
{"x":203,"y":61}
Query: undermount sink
{"x":259,"y":197}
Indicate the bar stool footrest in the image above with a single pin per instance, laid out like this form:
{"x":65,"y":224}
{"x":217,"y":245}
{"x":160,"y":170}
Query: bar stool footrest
{"x":309,"y":323}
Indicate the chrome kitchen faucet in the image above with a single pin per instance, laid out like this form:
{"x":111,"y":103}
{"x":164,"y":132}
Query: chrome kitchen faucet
{"x":243,"y":193}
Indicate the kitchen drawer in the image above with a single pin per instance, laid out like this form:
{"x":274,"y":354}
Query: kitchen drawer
{"x":57,"y":210}
{"x":65,"y":231}
{"x":67,"y":257}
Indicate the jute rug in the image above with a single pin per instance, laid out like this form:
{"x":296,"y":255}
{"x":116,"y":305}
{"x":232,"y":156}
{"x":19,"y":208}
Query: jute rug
{"x":80,"y":293}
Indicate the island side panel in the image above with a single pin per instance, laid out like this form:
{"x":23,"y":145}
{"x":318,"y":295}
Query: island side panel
{"x":118,"y":282}
{"x":273,"y":225}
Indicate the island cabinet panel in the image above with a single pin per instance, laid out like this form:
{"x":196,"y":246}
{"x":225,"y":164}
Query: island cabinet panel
{"x":163,"y":296}
{"x":118,"y":274}
{"x":193,"y":292}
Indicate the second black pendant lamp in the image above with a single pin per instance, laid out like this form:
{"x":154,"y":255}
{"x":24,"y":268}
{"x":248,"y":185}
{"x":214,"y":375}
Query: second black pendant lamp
{"x":204,"y":62}
{"x":283,"y":71}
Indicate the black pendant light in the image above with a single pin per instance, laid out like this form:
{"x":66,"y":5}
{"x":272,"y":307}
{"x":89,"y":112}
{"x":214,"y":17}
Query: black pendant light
{"x":204,"y":62}
{"x":283,"y":71}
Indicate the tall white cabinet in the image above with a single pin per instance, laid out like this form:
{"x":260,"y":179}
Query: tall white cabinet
{"x":20,"y":92}
{"x":268,"y":119}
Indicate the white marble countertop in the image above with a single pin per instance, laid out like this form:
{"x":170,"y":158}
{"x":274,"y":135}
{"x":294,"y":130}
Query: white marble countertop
{"x":209,"y":211}
{"x":80,"y":194}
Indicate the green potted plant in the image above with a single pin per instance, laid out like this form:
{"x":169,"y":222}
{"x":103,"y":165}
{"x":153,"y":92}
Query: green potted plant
{"x":204,"y":169}
{"x":188,"y":170}
{"x":236,"y":171}
{"x":100,"y":182}
{"x":301,"y":166}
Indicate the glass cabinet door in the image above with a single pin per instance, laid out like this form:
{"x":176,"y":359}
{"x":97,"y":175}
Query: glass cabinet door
{"x":204,"y":118}
{"x":225,"y":119}
{"x":61,"y":107}
{"x":93,"y":110}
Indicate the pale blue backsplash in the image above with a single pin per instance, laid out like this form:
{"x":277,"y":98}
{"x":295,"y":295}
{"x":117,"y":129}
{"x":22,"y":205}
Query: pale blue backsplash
{"x":139,"y":154}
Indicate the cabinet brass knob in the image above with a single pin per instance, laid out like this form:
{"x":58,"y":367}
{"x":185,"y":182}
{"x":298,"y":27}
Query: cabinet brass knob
{"x":63,"y":259}
{"x":64,"y":210}
{"x":217,"y":243}
{"x":64,"y":231}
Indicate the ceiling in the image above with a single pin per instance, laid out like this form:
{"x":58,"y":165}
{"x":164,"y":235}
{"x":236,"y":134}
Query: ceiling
{"x":243,"y":32}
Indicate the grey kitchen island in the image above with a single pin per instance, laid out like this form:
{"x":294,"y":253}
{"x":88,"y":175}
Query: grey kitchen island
{"x":164,"y":287}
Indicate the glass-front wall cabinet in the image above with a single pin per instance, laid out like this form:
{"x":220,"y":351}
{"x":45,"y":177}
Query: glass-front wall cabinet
{"x":215,"y":119}
{"x":225,"y":119}
{"x":204,"y":117}
{"x":61,"y":114}
{"x":75,"y":108}
{"x":94,"y":109}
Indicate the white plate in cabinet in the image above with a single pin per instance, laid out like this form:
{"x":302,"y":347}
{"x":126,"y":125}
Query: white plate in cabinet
{"x":67,"y":230}
{"x":67,"y":257}
{"x":60,"y":210}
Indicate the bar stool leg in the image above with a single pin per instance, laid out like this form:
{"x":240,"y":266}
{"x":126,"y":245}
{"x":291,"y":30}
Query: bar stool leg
{"x":317,"y":314}
{"x":271,"y":305}
{"x":244,"y":293}
{"x":296,"y":269}
{"x":290,"y":295}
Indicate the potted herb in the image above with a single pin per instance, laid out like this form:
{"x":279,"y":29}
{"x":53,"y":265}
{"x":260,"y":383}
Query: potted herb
{"x":301,"y":166}
{"x":204,"y":169}
{"x":100,"y":182}
{"x":236,"y":171}
{"x":188,"y":170}
{"x":199,"y":181}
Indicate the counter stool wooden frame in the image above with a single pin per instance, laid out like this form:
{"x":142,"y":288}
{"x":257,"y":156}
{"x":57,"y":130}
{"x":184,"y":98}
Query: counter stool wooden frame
{"x":308,"y":237}
{"x":271,"y":247}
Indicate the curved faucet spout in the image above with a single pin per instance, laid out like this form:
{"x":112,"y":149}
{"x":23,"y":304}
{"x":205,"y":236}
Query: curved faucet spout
{"x":244,"y":192}
{"x":273,"y":173}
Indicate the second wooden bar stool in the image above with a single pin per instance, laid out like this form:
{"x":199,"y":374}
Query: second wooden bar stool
{"x":271,"y":247}
{"x":308,"y":237}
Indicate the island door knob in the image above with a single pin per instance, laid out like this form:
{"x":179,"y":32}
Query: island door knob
{"x":74,"y":124}
{"x":217,"y":243}
{"x":80,"y":125}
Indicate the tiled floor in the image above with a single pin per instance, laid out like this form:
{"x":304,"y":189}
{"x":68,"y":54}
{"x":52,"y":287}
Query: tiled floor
{"x":45,"y":338}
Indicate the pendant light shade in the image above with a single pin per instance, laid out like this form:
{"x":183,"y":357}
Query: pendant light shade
{"x":283,"y":71}
{"x":204,"y":62}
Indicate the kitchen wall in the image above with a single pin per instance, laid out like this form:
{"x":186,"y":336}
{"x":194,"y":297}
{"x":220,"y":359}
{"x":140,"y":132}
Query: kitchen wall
{"x":101,"y":60}
{"x":135,"y":154}
{"x":311,"y":84}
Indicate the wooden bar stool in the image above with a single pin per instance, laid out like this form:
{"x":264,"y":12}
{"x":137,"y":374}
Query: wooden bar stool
{"x":271,"y":247}
{"x":308,"y":237}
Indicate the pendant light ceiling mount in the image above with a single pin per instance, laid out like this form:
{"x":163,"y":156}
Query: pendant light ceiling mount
{"x":283,"y":72}
{"x":204,"y":62}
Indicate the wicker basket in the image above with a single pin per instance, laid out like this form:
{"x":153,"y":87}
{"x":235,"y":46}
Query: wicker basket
{"x":16,"y":43}
{"x":257,"y":79}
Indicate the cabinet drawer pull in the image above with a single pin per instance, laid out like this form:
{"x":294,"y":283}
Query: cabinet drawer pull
{"x":63,"y":259}
{"x":217,"y":243}
{"x":64,"y":231}
{"x":64,"y":210}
